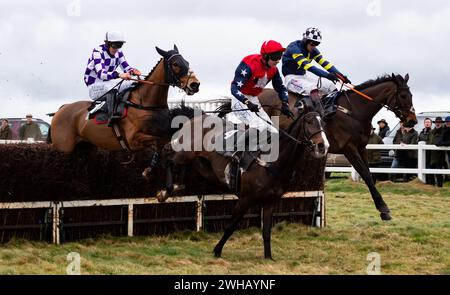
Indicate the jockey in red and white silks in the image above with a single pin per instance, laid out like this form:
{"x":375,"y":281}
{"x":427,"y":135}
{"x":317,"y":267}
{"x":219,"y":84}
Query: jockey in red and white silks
{"x":251,"y":76}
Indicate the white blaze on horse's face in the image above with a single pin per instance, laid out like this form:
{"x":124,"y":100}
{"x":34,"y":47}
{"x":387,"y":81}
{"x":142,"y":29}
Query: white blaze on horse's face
{"x":321,"y":152}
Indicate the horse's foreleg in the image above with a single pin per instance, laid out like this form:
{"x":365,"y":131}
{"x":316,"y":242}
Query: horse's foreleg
{"x":361,"y":166}
{"x":267,"y":229}
{"x":241,"y":208}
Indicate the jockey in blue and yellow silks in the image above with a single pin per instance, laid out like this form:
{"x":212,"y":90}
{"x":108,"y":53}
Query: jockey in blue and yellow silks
{"x":301,"y":75}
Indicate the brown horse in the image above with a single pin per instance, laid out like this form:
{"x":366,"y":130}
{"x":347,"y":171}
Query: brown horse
{"x":261,"y":185}
{"x":147,"y":121}
{"x":349,"y":129}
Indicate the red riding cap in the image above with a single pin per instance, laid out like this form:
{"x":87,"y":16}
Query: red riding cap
{"x":271,"y":46}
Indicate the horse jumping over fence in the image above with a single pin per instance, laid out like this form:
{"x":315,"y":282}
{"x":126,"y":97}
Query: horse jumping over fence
{"x":349,"y":129}
{"x":147,"y":122}
{"x":260,"y":185}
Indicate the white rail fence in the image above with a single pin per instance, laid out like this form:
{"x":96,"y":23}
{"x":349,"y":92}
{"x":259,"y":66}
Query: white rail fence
{"x":421,"y":169}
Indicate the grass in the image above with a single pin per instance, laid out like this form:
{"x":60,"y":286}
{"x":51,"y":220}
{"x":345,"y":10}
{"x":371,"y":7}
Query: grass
{"x":416,"y":241}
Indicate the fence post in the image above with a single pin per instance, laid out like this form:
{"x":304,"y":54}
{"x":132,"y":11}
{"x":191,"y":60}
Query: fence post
{"x":55,"y":223}
{"x":421,"y":160}
{"x":130,"y":219}
{"x":199,"y":219}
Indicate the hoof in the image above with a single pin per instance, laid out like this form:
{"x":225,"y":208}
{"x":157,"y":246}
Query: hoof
{"x":162,"y":196}
{"x":269,"y":258}
{"x":385,"y":216}
{"x":217,"y":254}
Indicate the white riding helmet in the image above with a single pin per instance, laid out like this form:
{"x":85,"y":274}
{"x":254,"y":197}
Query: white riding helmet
{"x":114,"y":36}
{"x":313,"y":34}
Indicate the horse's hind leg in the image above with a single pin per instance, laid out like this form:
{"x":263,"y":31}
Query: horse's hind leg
{"x":241,"y":208}
{"x":356,"y":159}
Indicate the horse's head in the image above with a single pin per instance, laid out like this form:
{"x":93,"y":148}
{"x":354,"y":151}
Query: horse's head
{"x":178,"y":72}
{"x":403,"y":106}
{"x":307,"y":129}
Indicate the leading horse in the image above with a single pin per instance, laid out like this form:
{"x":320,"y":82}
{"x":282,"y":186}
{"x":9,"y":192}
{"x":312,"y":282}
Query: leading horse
{"x":349,"y":129}
{"x":261,"y":185}
{"x":147,"y":120}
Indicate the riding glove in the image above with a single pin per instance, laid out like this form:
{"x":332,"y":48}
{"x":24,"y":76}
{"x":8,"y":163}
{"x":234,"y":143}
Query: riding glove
{"x":285,"y":110}
{"x":251,"y":106}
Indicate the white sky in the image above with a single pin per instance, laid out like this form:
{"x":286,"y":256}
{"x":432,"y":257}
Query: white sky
{"x":44,"y":45}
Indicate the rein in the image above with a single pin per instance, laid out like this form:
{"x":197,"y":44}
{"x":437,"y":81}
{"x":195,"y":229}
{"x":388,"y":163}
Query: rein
{"x":395,"y":110}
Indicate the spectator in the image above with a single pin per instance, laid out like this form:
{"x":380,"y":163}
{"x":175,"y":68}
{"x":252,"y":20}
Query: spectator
{"x":424,"y":136}
{"x":383,"y":128}
{"x":446,"y":138}
{"x":425,"y":133}
{"x":30,"y":130}
{"x":373,"y":156}
{"x":397,"y":140}
{"x":410,"y":136}
{"x":437,"y":158}
{"x":5,"y":131}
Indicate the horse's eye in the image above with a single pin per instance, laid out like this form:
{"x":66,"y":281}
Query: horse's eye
{"x":175,"y":64}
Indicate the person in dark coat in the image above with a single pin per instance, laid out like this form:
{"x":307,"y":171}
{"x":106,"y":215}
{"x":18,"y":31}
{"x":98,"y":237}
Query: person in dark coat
{"x":437,"y":158}
{"x":397,"y":153}
{"x":383,"y":128}
{"x":410,"y":136}
{"x":5,"y":131}
{"x":424,"y":136}
{"x":446,"y":140}
{"x":30,"y":129}
{"x":374,"y":156}
{"x":425,"y":133}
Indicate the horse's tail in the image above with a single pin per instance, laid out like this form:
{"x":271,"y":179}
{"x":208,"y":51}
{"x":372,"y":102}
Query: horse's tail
{"x":49,"y":136}
{"x":224,"y":109}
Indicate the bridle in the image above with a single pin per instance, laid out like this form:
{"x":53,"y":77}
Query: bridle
{"x":306,"y":140}
{"x":172,"y":79}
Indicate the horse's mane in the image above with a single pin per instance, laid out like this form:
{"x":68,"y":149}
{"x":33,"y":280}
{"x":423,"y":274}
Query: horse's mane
{"x":149,"y":74}
{"x":373,"y":82}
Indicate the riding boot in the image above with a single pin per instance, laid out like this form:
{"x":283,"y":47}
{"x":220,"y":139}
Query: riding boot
{"x":111,"y":104}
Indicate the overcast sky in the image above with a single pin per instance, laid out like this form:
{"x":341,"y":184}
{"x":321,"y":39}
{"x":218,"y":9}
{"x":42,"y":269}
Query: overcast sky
{"x":45,"y":45}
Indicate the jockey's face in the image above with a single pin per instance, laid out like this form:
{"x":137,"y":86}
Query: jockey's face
{"x":310,"y":45}
{"x":273,"y":63}
{"x":112,"y":51}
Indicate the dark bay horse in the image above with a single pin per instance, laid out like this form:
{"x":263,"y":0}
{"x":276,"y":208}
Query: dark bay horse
{"x":147,"y":121}
{"x":349,"y":129}
{"x":260,"y":185}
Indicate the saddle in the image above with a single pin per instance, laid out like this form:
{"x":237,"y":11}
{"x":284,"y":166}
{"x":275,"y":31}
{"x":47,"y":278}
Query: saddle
{"x":112,"y":106}
{"x":325,"y":105}
{"x":242,"y":152}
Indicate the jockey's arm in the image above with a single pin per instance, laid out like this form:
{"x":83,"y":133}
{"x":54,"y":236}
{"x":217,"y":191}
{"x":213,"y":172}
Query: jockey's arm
{"x":126,"y":67}
{"x":279,"y":87}
{"x":328,"y":66}
{"x":305,"y":64}
{"x":241,"y":76}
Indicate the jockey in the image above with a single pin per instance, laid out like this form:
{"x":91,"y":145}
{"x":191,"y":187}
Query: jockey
{"x":300,"y":73}
{"x":250,"y":78}
{"x":101,"y":73}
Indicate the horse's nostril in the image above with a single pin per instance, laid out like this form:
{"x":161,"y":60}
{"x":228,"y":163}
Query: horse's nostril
{"x":194,"y":86}
{"x":321,"y":147}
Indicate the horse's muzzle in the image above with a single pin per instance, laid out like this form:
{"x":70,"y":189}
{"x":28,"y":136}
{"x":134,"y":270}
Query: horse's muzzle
{"x":193,"y":88}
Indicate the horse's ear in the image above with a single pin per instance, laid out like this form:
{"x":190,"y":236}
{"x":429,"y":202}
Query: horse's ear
{"x":393,"y":76}
{"x":406,"y":78}
{"x":161,"y":52}
{"x":175,"y":48}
